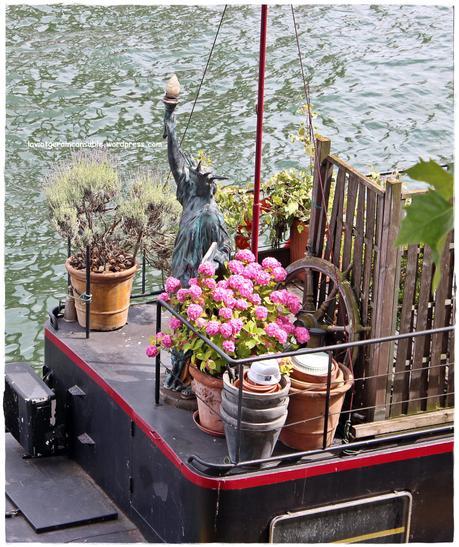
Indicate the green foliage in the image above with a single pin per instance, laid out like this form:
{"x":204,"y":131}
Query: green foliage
{"x":88,"y":204}
{"x":289,"y":194}
{"x":430,"y":216}
{"x":286,"y":197}
{"x":236,"y":204}
{"x":149,"y":216}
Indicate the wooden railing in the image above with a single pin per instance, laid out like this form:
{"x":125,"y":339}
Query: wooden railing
{"x":354,"y":224}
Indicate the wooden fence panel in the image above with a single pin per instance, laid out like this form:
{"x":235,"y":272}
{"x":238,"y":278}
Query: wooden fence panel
{"x":418,"y":372}
{"x":393,"y":289}
{"x":402,"y":361}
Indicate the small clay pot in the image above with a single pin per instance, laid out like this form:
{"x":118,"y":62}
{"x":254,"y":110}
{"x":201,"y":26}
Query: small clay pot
{"x":248,"y":385}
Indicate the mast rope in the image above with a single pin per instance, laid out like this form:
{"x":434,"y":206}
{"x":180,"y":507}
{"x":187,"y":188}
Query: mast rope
{"x":203,"y":74}
{"x":316,"y":166}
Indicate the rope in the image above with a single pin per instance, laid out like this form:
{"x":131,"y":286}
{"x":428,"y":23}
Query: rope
{"x":317,"y":170}
{"x":182,"y":138}
{"x":203,"y":75}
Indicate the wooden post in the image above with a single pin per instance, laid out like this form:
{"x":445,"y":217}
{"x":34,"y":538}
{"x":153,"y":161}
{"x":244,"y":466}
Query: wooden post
{"x":320,"y":199}
{"x":385,"y":302}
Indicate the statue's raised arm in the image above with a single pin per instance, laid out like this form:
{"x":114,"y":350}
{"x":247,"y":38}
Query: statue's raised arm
{"x":202,"y":225}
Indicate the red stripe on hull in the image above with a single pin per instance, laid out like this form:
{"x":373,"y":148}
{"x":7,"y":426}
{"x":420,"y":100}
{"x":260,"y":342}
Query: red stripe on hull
{"x":264,"y":478}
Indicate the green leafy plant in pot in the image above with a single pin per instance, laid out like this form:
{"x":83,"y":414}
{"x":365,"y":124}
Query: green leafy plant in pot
{"x":288,"y":194}
{"x":244,"y":314}
{"x":89,"y":206}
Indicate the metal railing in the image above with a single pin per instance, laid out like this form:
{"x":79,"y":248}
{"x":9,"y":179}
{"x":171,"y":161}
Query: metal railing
{"x":329,"y":349}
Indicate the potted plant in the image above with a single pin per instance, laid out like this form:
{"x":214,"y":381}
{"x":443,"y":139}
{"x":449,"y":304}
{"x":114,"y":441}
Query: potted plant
{"x":89,"y":206}
{"x":242,"y":313}
{"x":288,"y":193}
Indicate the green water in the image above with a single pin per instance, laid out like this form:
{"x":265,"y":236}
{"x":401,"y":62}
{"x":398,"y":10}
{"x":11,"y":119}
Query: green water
{"x":381,"y":83}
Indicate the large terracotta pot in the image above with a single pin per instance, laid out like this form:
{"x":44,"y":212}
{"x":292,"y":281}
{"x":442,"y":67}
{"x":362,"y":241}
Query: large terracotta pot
{"x":298,"y":240}
{"x":208,"y":391}
{"x":111,"y":293}
{"x":307,"y":405}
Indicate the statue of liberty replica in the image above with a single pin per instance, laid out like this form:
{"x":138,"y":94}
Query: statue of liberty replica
{"x":201,"y":223}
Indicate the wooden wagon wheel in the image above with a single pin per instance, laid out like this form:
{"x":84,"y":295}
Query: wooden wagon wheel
{"x":328,"y":302}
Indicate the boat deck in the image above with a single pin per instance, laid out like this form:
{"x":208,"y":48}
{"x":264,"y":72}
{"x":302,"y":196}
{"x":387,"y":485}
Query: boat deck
{"x":118,"y":360}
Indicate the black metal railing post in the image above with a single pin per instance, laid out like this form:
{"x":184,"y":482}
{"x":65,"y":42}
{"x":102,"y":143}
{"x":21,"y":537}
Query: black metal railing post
{"x":327,"y":399}
{"x":158,"y":357}
{"x":88,"y":290}
{"x":69,"y":254}
{"x":239,"y":413}
{"x":143,"y":272}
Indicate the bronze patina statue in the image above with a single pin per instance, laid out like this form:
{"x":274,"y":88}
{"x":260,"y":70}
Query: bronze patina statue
{"x":201,"y":223}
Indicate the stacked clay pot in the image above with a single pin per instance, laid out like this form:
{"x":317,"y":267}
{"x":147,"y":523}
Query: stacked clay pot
{"x":263,"y":414}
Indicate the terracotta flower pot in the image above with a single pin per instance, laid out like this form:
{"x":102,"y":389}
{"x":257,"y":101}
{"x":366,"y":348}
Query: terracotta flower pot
{"x":301,"y":376}
{"x":208,"y":391}
{"x":307,"y":405}
{"x":111,"y":293}
{"x":298,"y":240}
{"x":248,"y":385}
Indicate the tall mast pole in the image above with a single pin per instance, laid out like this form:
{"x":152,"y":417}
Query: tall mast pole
{"x":259,"y":141}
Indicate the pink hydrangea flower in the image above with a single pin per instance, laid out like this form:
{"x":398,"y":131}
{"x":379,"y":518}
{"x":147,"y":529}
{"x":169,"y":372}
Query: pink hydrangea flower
{"x":279,"y":274}
{"x":172,"y":284}
{"x":269,"y":263}
{"x":271,"y":329}
{"x":229,"y":301}
{"x":152,"y":351}
{"x":225,"y":313}
{"x":255,"y":299}
{"x":167,"y":341}
{"x":261,"y":313}
{"x":223,"y":284}
{"x":194,"y":311}
{"x":213,"y":328}
{"x":262,"y":278}
{"x":201,"y":322}
{"x":228,"y":346}
{"x":235,"y":281}
{"x":301,"y":335}
{"x":209,"y":283}
{"x":195,"y":291}
{"x":281,"y":336}
{"x":174,"y":323}
{"x":206,"y":269}
{"x":219,"y":294}
{"x":246,"y":290}
{"x":241,"y":304}
{"x":277,"y":297}
{"x":293,"y":303}
{"x":251,"y":270}
{"x":164,"y":296}
{"x":225,"y":330}
{"x":235,"y":267}
{"x":182,"y":294}
{"x":246,"y":256}
{"x":236,"y":325}
{"x":286,"y":324}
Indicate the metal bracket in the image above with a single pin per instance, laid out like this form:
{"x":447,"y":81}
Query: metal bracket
{"x":84,"y":438}
{"x":76,"y":391}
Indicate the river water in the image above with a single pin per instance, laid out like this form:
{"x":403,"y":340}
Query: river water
{"x":381,"y":80}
